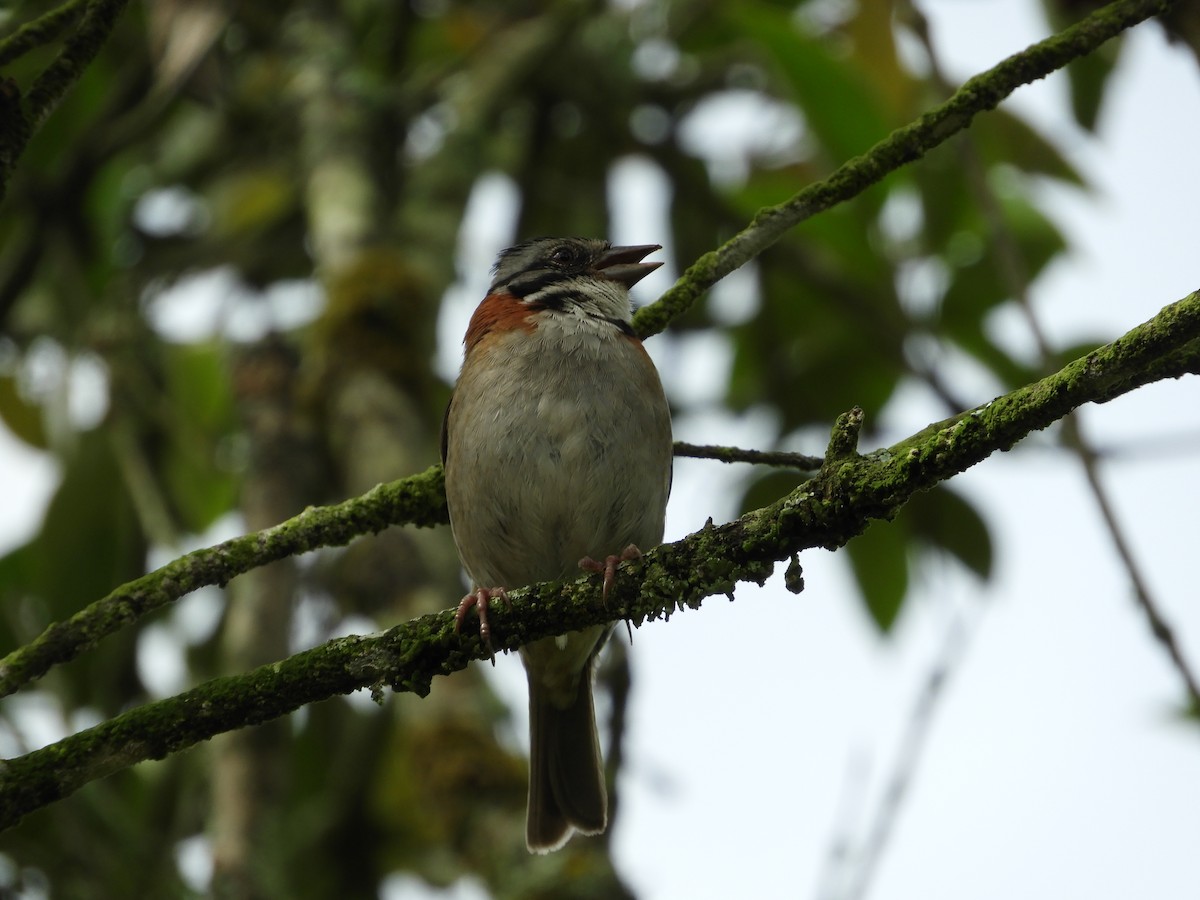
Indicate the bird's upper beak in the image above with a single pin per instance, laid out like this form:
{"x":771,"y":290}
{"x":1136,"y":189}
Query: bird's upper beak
{"x":624,"y":264}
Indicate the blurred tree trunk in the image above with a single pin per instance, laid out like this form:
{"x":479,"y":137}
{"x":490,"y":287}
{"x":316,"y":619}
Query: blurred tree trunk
{"x":250,"y":767}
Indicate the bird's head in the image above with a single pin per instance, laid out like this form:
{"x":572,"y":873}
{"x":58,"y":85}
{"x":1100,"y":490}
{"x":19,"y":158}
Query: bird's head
{"x":575,"y":275}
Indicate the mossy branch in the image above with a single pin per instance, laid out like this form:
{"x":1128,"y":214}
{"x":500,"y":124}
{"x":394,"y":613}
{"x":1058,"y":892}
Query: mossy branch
{"x":23,"y":117}
{"x":41,"y":31}
{"x":416,"y":500}
{"x":828,"y":510}
{"x":982,"y":93}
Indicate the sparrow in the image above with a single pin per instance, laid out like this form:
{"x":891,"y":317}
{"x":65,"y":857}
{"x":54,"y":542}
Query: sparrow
{"x":557,"y":452}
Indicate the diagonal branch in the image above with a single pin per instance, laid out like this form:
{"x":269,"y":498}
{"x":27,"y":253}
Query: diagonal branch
{"x":982,"y":93}
{"x":1160,"y":628}
{"x":1015,"y":276}
{"x":41,"y":31}
{"x":827,"y":511}
{"x":335,"y":526}
{"x":22,"y":120}
{"x":418,"y":500}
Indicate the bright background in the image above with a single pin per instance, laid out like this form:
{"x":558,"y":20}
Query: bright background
{"x":770,"y":737}
{"x":765,"y":734}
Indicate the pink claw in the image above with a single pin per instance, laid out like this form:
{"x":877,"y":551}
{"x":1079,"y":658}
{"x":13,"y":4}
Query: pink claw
{"x":609,"y":567}
{"x":481,"y":598}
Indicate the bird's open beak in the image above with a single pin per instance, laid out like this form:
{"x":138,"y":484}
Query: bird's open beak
{"x":624,"y":264}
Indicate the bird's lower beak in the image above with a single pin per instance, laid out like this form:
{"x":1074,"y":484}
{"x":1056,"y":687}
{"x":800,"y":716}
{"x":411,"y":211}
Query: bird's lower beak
{"x":624,"y":264}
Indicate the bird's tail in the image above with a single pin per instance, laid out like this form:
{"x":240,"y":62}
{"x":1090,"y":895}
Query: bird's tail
{"x":566,"y":772}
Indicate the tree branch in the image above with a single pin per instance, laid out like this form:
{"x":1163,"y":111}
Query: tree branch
{"x":333,"y":525}
{"x":1015,"y":276}
{"x":826,"y":511}
{"x":904,"y":145}
{"x":417,"y":500}
{"x":40,"y":31}
{"x":780,"y":458}
{"x":23,"y":120}
{"x":1159,"y":625}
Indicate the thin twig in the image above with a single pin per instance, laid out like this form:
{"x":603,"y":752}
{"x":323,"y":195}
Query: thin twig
{"x":779,"y":458}
{"x":1159,"y":627}
{"x":862,"y":864}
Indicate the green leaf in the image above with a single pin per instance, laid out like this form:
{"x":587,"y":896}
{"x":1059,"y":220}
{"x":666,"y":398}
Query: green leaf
{"x":1003,"y":138}
{"x":944,"y":520}
{"x":839,"y":104}
{"x":769,"y":488}
{"x":249,"y":200}
{"x":22,"y":418}
{"x":982,"y":284}
{"x":1088,"y":75}
{"x":89,"y":541}
{"x":197,"y":382}
{"x":803,"y":355}
{"x":879,"y":561}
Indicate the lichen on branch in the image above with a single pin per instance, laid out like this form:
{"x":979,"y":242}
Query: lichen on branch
{"x":904,"y":145}
{"x":828,"y":510}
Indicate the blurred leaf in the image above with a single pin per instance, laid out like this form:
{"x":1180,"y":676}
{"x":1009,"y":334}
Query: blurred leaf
{"x":1190,"y":712}
{"x":200,"y":496}
{"x":1004,"y":139}
{"x":946,"y":521}
{"x":1088,"y":78}
{"x":879,"y":561}
{"x":247,"y":200}
{"x":89,"y":541}
{"x":946,"y":201}
{"x":22,"y":418}
{"x":830,"y":332}
{"x":983,"y":283}
{"x":872,"y":31}
{"x":1075,"y":351}
{"x":19,"y":622}
{"x":805,"y":360}
{"x":825,"y":86}
{"x":770,"y":487}
{"x":88,"y":544}
{"x":107,"y":205}
{"x":1088,"y":75}
{"x":196,"y":380}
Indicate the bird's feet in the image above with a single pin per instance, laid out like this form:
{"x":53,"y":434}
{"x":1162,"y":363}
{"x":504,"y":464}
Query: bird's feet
{"x":480,"y":599}
{"x":609,"y":567}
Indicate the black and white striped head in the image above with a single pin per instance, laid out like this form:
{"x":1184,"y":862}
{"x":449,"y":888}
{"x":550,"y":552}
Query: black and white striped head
{"x":573,"y":275}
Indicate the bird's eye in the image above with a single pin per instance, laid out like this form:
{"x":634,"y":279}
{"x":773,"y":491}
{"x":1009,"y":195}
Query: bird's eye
{"x":565,"y":255}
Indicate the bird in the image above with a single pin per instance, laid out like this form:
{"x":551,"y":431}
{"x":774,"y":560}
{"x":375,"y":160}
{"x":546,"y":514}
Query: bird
{"x":557,"y":451}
